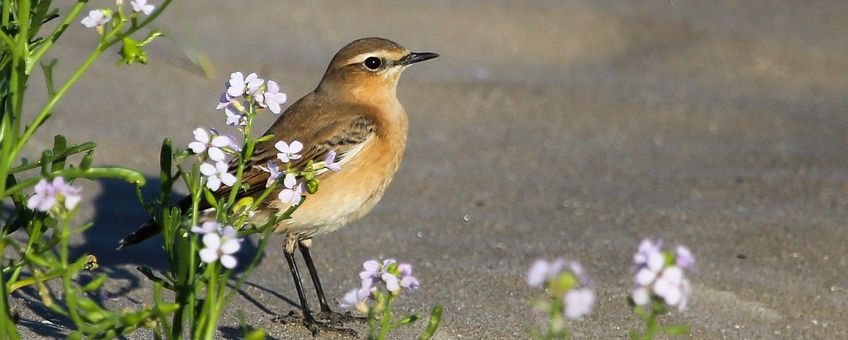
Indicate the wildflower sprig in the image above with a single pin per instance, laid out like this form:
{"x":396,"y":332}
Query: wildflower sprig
{"x":41,"y":189}
{"x":659,"y":282}
{"x":381,"y":283}
{"x":203,"y":246}
{"x":568,"y":294}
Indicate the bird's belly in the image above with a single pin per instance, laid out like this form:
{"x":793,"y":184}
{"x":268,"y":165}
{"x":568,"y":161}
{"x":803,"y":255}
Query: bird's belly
{"x":343,"y":196}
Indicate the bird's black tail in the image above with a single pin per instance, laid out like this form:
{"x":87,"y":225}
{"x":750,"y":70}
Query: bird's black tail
{"x":149,"y":229}
{"x":145,"y":231}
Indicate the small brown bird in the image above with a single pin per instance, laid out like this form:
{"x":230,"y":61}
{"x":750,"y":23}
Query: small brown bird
{"x":354,"y":112}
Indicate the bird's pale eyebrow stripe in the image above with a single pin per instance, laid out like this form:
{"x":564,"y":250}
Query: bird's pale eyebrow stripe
{"x":360,"y":58}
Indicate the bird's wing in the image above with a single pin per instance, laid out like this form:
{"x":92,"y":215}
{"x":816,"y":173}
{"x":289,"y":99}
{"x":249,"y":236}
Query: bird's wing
{"x":318,"y":130}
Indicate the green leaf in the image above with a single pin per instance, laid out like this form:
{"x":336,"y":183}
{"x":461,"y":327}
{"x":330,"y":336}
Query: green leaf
{"x":125,"y":174}
{"x":406,"y":321}
{"x":150,"y":37}
{"x":87,"y":159}
{"x":265,"y":138}
{"x":433,"y":324}
{"x":147,"y":272}
{"x":37,"y":260}
{"x":60,"y":144}
{"x":210,"y":198}
{"x":46,"y":155}
{"x":258,"y":334}
{"x":132,"y":52}
{"x":95,"y":284}
{"x":47,"y":70}
{"x":676,"y":330}
{"x":165,"y":179}
{"x":39,"y":16}
{"x":167,"y":308}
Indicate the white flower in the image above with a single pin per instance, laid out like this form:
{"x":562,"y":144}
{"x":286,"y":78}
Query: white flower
{"x":207,"y":227}
{"x":142,"y":6}
{"x":292,"y":192}
{"x":392,"y":282}
{"x":272,"y":98}
{"x":221,"y":247}
{"x":650,"y":255}
{"x":406,"y":279}
{"x":684,"y":258}
{"x":95,"y":18}
{"x":641,"y":296}
{"x":234,"y":118}
{"x":288,"y":152}
{"x":274,"y":172}
{"x":672,"y":287}
{"x":655,"y":277}
{"x":542,"y":270}
{"x":233,"y":110}
{"x":217,"y":174}
{"x":330,"y":162}
{"x":212,"y":143}
{"x":238,"y":84}
{"x":356,"y":298}
{"x":48,"y":194}
{"x":579,"y":302}
{"x":645,"y":276}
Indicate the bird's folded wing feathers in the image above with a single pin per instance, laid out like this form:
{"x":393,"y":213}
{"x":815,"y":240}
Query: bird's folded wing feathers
{"x":341,"y":134}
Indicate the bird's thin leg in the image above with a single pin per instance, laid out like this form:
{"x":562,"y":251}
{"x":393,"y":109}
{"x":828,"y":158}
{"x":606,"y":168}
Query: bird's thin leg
{"x":304,"y":250}
{"x":304,"y":306}
{"x":326,"y":312}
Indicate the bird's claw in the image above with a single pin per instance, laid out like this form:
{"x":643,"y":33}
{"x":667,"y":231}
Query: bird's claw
{"x":314,"y":326}
{"x":339,"y":318}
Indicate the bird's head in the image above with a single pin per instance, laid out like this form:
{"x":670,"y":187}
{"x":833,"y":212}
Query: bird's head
{"x":369,"y":68}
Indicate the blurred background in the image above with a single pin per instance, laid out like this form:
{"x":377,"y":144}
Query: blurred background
{"x":546,"y":128}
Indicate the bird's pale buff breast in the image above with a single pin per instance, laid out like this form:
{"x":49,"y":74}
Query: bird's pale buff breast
{"x":349,"y":194}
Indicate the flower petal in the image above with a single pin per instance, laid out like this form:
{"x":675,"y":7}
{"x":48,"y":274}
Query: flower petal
{"x":228,"y":179}
{"x":216,"y":154}
{"x":208,"y":255}
{"x":228,"y":261}
{"x":208,"y":169}
{"x":212,"y":240}
{"x":295,"y":147}
{"x":213,"y":183}
{"x":230,"y":246}
{"x":392,"y":282}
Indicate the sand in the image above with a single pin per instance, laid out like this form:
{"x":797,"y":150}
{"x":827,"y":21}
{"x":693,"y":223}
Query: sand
{"x":545,"y":129}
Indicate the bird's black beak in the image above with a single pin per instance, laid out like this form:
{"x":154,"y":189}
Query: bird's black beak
{"x":415,"y":57}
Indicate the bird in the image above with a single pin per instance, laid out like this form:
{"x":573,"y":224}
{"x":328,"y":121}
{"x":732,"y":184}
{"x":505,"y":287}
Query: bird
{"x":354,"y":111}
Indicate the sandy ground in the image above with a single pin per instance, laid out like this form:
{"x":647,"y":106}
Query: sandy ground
{"x":545,"y":129}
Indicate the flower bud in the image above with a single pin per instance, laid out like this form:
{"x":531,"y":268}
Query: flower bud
{"x":312,"y":186}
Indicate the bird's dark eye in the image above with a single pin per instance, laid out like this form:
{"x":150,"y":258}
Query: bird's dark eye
{"x":372,"y":63}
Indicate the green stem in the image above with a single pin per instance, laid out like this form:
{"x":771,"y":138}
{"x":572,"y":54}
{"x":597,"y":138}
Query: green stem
{"x":64,"y":153}
{"x":32,"y":280}
{"x":651,"y":323}
{"x":34,"y":236}
{"x":45,"y":112}
{"x":149,"y":19}
{"x":7,"y":326}
{"x":67,"y":275}
{"x":386,"y":319}
{"x":210,"y":310}
{"x":57,"y":32}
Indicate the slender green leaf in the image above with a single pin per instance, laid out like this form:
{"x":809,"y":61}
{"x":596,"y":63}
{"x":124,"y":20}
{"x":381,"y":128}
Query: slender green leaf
{"x":95,"y":284}
{"x":433,"y":324}
{"x":60,"y":144}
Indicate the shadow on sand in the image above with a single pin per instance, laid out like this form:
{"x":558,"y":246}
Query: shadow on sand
{"x":118,"y":213}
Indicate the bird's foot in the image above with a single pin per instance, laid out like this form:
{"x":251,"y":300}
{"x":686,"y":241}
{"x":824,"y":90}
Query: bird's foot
{"x":339,"y":318}
{"x":315,"y":326}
